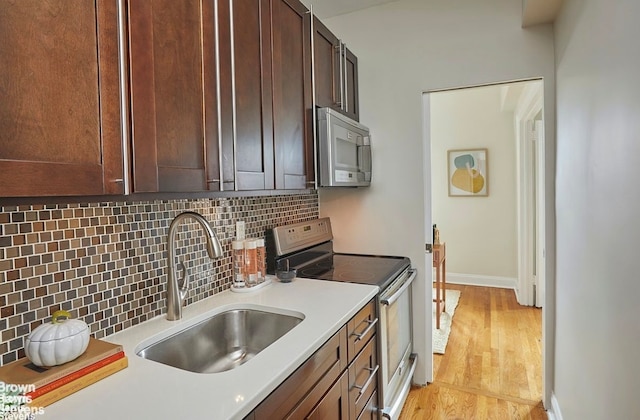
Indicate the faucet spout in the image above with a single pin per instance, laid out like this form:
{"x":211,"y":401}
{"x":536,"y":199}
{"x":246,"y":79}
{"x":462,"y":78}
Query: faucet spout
{"x":176,"y":293}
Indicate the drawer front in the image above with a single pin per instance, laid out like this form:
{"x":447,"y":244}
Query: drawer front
{"x":361,"y":328}
{"x":316,"y":375}
{"x":363,"y":378}
{"x":370,"y":411}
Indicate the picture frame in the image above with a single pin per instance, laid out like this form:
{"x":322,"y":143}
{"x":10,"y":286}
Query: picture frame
{"x":467,"y":172}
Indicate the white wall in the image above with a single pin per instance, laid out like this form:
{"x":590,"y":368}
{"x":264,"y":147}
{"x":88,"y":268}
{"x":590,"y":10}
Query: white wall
{"x":480,"y":232}
{"x":598,"y":203}
{"x":404,"y":48}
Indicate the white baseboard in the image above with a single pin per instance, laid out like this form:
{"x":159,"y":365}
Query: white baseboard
{"x":482,"y":280}
{"x":550,"y":415}
{"x":553,"y":412}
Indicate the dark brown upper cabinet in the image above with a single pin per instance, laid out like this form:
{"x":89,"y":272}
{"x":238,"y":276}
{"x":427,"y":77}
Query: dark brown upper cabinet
{"x":336,"y":73}
{"x":265,"y":85}
{"x":207,"y":95}
{"x":292,"y":96}
{"x":253,"y":56}
{"x":351,"y":106}
{"x":245,"y":86}
{"x":174,"y":110}
{"x":263,"y":52}
{"x":60,"y":127}
{"x":327,"y":66}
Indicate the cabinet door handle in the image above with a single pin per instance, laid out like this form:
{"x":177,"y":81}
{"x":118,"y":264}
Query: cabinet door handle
{"x":125,"y":105}
{"x":339,"y":47}
{"x":359,"y":336}
{"x":345,"y":88}
{"x":364,"y":386}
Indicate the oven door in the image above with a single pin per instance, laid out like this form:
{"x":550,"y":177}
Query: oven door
{"x":396,"y":343}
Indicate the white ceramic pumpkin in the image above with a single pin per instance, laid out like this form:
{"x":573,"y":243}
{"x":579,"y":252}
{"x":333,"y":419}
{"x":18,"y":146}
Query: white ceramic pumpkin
{"x":58,"y":342}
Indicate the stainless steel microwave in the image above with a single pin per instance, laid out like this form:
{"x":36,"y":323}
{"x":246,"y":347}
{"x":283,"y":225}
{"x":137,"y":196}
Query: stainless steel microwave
{"x":344,"y":151}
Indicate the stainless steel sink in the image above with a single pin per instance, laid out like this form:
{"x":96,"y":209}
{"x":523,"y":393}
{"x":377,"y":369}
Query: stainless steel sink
{"x":222,"y":342}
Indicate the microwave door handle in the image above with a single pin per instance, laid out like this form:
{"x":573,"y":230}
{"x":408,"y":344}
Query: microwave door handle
{"x":391,"y":299}
{"x":364,"y":156}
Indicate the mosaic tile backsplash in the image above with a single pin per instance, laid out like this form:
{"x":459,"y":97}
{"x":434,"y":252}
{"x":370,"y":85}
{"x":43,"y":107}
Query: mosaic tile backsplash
{"x":106,"y":262}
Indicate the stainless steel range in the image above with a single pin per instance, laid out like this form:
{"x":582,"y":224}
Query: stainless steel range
{"x":309,"y":248}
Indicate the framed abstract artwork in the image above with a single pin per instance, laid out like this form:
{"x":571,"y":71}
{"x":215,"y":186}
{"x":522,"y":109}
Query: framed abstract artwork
{"x":467,"y":171}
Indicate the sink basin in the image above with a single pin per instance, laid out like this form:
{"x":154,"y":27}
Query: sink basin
{"x":222,"y":342}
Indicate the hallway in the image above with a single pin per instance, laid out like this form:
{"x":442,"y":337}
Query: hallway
{"x":492,"y":367}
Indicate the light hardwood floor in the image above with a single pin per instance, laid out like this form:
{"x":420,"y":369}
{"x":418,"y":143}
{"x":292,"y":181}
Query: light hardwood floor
{"x":492,"y":366}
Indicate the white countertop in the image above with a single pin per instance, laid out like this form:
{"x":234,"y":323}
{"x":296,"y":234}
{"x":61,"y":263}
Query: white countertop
{"x":151,"y":390}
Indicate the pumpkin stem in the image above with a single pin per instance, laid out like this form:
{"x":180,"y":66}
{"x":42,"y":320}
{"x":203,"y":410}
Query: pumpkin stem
{"x":59,"y":316}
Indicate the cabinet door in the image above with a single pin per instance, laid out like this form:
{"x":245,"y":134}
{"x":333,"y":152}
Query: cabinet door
{"x":292,"y":113}
{"x":171,"y":61}
{"x":370,"y":411}
{"x":225,"y":92}
{"x":249,"y":110}
{"x":336,"y":73}
{"x":335,"y":404}
{"x":60,"y":127}
{"x":351,"y":100}
{"x":327,"y":58}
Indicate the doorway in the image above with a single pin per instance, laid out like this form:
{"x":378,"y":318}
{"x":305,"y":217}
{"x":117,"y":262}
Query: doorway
{"x":509,"y":252}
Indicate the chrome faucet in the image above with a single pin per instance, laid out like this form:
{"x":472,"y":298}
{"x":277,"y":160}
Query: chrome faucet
{"x":176,"y":293}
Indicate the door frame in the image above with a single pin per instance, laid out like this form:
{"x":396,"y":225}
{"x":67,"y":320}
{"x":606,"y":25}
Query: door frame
{"x":428,"y":232}
{"x":530,"y":212}
{"x":548,"y":319}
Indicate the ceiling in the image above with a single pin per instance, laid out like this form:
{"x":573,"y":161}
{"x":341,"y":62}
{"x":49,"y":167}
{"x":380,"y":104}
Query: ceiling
{"x":534,"y":12}
{"x":329,"y":8}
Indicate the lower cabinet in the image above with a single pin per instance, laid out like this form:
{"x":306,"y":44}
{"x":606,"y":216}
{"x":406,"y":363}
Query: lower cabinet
{"x":335,"y":403}
{"x":299,"y":394}
{"x":332,"y":383}
{"x":370,"y":411}
{"x":363,"y":374}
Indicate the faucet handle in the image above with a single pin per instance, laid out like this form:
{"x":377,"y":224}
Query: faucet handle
{"x":183,"y":285}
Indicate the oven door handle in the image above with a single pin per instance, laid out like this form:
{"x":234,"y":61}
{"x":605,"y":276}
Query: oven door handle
{"x":391,"y":299}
